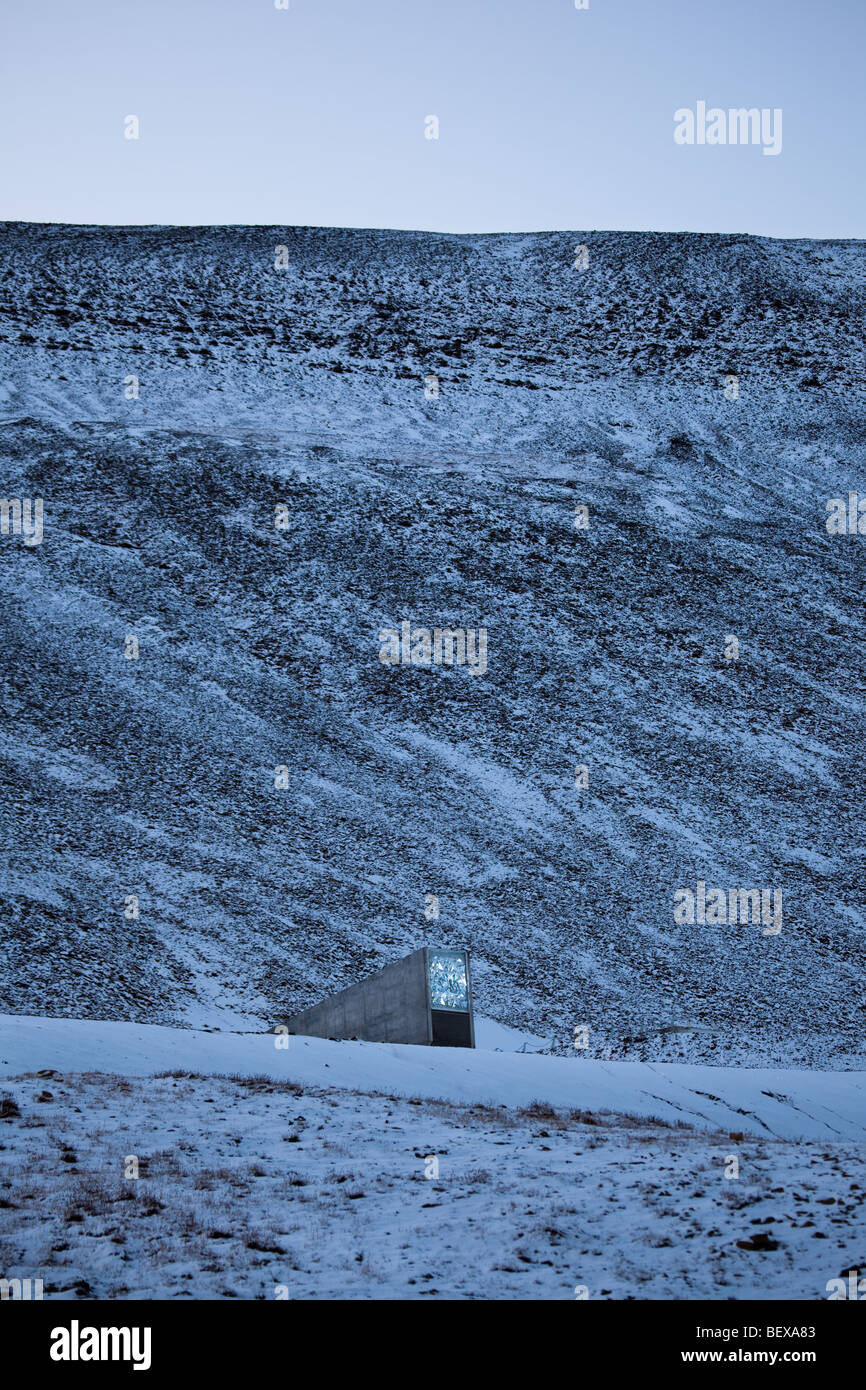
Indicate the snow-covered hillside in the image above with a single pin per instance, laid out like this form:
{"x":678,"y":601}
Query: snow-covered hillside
{"x":760,"y":1101}
{"x":303,"y":387}
{"x":146,"y":1162}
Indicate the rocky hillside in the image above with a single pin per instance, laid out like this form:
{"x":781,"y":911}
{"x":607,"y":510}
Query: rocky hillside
{"x":253,"y":460}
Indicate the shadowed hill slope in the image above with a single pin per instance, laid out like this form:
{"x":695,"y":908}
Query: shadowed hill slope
{"x":555,"y":387}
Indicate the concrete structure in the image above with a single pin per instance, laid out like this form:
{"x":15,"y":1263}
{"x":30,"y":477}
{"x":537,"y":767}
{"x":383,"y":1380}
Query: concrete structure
{"x":424,"y":998}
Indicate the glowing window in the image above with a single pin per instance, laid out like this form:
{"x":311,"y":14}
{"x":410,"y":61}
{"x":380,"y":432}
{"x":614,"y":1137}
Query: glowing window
{"x":449,"y":986}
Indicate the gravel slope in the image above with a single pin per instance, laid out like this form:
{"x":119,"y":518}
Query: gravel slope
{"x":258,"y":647}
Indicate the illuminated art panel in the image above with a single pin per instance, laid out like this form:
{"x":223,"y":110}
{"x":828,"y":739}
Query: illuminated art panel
{"x":449,"y":984}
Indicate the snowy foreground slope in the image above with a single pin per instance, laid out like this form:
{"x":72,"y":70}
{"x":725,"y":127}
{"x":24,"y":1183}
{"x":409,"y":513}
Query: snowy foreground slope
{"x":166,"y":390}
{"x":364,"y":1171}
{"x":761,"y":1101}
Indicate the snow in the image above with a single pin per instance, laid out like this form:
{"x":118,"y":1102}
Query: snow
{"x":154,"y":777}
{"x":761,"y":1101}
{"x":350,"y":1170}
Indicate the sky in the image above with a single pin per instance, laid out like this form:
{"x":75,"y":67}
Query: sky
{"x":549,"y":117}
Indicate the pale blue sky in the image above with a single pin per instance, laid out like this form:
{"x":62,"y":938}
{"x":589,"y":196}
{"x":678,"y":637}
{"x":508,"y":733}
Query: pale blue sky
{"x":550,"y":117}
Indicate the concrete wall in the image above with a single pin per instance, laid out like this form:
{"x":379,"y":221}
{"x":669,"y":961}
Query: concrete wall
{"x":390,"y":1006}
